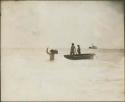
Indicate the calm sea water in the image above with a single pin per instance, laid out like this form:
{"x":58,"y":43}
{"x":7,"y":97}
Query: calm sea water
{"x":28,"y":75}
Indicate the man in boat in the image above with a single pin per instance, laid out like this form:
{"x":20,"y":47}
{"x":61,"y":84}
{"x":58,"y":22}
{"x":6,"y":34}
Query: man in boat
{"x":51,"y":53}
{"x":78,"y":50}
{"x":73,"y":49}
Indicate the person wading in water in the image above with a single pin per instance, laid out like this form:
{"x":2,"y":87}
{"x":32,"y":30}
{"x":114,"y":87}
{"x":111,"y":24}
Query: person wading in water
{"x":51,"y":53}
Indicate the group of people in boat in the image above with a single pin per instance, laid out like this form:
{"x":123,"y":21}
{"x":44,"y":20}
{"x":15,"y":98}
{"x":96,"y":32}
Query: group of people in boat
{"x":73,"y":51}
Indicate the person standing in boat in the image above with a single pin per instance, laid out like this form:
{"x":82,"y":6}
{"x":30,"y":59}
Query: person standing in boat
{"x":73,"y":49}
{"x":78,"y":50}
{"x":51,"y":53}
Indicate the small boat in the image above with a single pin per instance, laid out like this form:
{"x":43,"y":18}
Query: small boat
{"x":80,"y":56}
{"x":93,"y":47}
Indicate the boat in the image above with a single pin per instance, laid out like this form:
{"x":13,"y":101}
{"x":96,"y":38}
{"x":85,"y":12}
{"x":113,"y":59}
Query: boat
{"x":93,"y":47}
{"x":80,"y":56}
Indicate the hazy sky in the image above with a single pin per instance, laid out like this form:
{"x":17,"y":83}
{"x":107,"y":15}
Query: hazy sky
{"x":38,"y":24}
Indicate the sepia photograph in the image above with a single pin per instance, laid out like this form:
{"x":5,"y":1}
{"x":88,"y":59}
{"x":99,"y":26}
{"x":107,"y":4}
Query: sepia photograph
{"x":62,"y":50}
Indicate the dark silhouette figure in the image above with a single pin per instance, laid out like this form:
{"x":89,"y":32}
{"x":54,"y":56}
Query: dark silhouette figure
{"x":78,"y":49}
{"x":73,"y":49}
{"x":51,"y":53}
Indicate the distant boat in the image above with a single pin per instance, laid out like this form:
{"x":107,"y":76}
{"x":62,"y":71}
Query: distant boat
{"x":79,"y":57}
{"x":93,"y":47}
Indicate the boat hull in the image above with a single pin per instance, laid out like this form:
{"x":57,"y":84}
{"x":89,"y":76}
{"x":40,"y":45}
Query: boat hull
{"x":80,"y":57}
